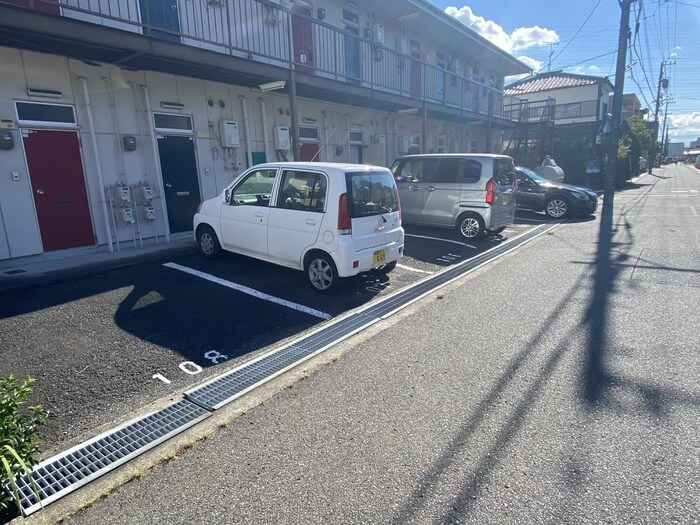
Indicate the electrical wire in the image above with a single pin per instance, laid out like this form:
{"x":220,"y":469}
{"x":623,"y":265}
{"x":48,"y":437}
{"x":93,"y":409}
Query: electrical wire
{"x":577,"y":32}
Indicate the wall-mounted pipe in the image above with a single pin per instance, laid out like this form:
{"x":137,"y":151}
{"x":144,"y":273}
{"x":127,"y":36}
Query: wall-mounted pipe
{"x":347,"y":137}
{"x":263,"y":116}
{"x":98,"y":164}
{"x":326,"y":137}
{"x":156,"y":159}
{"x":246,"y":130}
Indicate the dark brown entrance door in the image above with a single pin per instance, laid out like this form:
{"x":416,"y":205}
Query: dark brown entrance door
{"x":58,"y":185}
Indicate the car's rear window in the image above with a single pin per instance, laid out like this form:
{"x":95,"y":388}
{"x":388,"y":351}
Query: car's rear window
{"x":371,"y":193}
{"x":504,"y":170}
{"x":438,"y":169}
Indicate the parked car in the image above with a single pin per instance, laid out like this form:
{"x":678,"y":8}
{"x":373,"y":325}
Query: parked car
{"x":474,"y":193}
{"x":556,"y":199}
{"x":329,"y":220}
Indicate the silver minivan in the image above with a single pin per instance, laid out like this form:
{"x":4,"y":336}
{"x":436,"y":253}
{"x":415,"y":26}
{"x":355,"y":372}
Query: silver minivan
{"x":472,"y":192}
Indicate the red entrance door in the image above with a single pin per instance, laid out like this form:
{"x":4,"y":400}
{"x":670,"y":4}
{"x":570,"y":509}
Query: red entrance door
{"x":416,"y":70}
{"x":48,"y":6}
{"x":302,"y":40}
{"x":58,"y":184}
{"x":309,"y":152}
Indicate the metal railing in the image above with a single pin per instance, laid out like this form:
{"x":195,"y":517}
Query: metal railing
{"x":544,"y":110}
{"x":283,"y":36}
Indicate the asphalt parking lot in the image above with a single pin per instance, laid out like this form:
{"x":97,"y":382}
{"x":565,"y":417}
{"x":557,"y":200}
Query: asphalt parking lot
{"x":104,"y":345}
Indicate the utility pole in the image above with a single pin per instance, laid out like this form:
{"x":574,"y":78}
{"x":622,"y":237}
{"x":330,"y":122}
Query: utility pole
{"x":664,"y":140}
{"x":655,"y":132}
{"x":611,"y":168}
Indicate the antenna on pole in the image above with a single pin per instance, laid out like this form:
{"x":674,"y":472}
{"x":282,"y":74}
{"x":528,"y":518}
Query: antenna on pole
{"x":551,"y":52}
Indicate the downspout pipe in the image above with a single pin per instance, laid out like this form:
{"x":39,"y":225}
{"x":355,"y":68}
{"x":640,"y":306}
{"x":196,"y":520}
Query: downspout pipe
{"x":156,"y":158}
{"x":248,"y":147}
{"x":98,"y":163}
{"x":263,"y":116}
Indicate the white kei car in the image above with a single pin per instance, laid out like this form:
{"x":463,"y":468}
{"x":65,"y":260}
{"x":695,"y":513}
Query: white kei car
{"x":330,"y":220}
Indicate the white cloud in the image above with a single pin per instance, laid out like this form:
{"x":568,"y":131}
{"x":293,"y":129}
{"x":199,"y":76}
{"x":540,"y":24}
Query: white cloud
{"x":526,"y":37}
{"x":584,"y":70}
{"x":684,"y":127}
{"x":535,"y":64}
{"x":521,"y":38}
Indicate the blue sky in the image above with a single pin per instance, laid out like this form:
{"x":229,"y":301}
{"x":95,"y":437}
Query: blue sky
{"x":582,"y":37}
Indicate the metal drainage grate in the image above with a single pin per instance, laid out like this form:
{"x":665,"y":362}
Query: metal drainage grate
{"x":225,"y":388}
{"x":62,"y":474}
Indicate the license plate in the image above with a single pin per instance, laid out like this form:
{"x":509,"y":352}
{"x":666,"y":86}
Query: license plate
{"x":378,"y":257}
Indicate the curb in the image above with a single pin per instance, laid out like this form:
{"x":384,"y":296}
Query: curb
{"x":52,"y":276}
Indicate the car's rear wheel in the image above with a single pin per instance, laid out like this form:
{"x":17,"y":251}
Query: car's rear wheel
{"x":208,"y":242}
{"x":557,"y":208}
{"x":321,"y":272}
{"x":470,"y":225}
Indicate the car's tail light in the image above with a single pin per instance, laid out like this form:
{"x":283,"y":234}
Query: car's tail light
{"x":398,"y":202}
{"x":489,"y":192}
{"x":344,"y":222}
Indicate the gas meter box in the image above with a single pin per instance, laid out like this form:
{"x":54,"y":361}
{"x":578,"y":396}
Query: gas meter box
{"x":229,"y":134}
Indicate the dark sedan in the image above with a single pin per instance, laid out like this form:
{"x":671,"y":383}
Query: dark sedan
{"x":556,"y":199}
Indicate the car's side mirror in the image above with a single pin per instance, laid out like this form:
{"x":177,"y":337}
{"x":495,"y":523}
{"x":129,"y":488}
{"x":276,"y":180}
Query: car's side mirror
{"x":226,"y":196}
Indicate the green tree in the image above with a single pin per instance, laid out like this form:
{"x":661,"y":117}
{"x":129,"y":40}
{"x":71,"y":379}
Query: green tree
{"x":637,"y":138}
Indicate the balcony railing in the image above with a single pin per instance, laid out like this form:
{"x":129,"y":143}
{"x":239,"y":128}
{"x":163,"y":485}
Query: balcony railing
{"x":287,"y":37}
{"x":544,"y":110}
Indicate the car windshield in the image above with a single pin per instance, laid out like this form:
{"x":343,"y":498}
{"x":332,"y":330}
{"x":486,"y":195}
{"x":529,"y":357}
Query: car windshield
{"x":534,"y":176}
{"x":371,"y":193}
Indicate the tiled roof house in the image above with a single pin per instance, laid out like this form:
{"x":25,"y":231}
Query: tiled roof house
{"x":577,"y":98}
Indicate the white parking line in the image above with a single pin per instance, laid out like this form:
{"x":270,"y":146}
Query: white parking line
{"x":440,"y":239}
{"x":538,"y":221}
{"x":412,"y":269}
{"x":249,"y":291}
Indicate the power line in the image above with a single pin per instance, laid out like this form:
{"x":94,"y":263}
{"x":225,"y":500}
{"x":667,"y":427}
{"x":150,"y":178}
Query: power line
{"x":578,"y":31}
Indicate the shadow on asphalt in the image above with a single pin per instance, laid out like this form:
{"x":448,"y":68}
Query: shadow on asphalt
{"x":615,"y":242}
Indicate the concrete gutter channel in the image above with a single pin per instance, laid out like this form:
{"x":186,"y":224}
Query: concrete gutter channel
{"x":146,"y":440}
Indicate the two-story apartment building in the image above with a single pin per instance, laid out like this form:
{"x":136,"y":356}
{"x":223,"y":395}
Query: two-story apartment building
{"x":564,"y":115}
{"x":117,"y":118}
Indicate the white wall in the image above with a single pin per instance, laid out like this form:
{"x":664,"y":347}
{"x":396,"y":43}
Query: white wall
{"x":118,"y":106}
